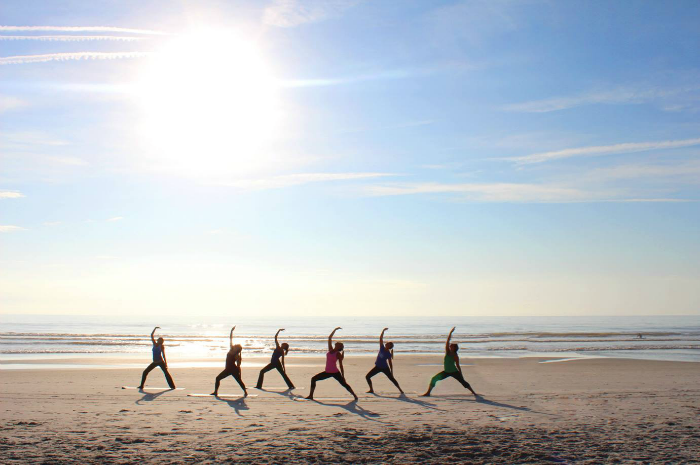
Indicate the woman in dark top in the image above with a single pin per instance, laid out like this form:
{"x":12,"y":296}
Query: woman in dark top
{"x":452,"y":367}
{"x":277,"y":362}
{"x":383,"y":364}
{"x":159,"y":360}
{"x":233,"y":366}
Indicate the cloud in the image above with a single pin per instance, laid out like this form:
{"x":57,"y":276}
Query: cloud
{"x":291,"y":13}
{"x":71,"y":38}
{"x":10,"y":228}
{"x":10,"y":195}
{"x":510,"y":193}
{"x":277,"y":182}
{"x":619,"y":95}
{"x":8,"y":103}
{"x":79,"y":29}
{"x":628,"y":147}
{"x":24,"y":59}
{"x":116,"y":218}
{"x":687,"y":172}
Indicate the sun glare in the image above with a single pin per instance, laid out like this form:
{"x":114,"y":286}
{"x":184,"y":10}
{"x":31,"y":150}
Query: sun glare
{"x":209,"y":105}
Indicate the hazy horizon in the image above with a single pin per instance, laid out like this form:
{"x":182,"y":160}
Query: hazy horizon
{"x":350,"y":158}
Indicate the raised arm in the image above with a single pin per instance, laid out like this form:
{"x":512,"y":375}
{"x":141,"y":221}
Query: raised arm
{"x":330,"y":338}
{"x":153,"y":340}
{"x":449,"y":336}
{"x":277,"y":344}
{"x":230,"y":337}
{"x":381,"y":338}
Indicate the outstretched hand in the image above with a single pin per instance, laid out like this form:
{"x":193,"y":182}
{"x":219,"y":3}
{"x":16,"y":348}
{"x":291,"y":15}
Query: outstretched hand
{"x":385,"y":329}
{"x":453,"y":330}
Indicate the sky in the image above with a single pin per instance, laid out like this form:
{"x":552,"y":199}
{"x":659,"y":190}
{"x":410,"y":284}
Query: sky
{"x":349,"y":157}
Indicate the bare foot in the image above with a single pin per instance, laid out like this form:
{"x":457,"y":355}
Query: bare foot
{"x":309,"y":397}
{"x":370,"y":392}
{"x":427,"y":394}
{"x":215,"y":394}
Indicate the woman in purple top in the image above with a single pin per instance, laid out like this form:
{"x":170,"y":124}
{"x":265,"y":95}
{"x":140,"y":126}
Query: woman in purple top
{"x":233,"y":366}
{"x":383,"y":363}
{"x":333,"y":358}
{"x":277,"y":362}
{"x":159,"y":360}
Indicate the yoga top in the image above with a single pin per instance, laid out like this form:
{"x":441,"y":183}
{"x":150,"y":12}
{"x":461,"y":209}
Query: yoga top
{"x":450,"y":366}
{"x":331,"y":362}
{"x":278,"y":352}
{"x":231,"y":359}
{"x":157,"y":353}
{"x":383,"y":358}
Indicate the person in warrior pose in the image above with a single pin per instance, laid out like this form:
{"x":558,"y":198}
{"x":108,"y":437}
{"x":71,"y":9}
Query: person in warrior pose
{"x":159,"y":360}
{"x":233,"y":366}
{"x":277,"y":361}
{"x":383,"y":364}
{"x":334,"y":357}
{"x":452,"y":367}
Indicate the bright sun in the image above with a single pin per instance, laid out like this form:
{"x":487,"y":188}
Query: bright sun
{"x":209,"y":105}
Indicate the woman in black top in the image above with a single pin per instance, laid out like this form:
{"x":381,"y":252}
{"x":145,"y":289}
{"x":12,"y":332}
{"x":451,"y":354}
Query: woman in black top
{"x":277,"y":362}
{"x":233,"y":366}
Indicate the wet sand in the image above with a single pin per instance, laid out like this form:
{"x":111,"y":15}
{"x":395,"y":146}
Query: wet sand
{"x":581,"y":411}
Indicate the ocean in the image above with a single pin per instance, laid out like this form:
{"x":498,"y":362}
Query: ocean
{"x":37,"y":337}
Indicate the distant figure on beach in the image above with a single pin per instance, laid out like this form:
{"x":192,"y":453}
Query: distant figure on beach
{"x":383,"y":364}
{"x":233,"y":366}
{"x":640,"y":336}
{"x":333,"y":358}
{"x":159,"y":360}
{"x":277,"y":362}
{"x":452,"y":367}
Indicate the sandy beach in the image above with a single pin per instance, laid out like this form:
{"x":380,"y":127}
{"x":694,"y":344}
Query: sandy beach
{"x":532,"y":410}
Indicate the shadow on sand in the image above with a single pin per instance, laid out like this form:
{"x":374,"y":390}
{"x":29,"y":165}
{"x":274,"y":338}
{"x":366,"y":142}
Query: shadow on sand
{"x":236,"y":404}
{"x":151,"y":396}
{"x":353,"y":408}
{"x":408,"y":400}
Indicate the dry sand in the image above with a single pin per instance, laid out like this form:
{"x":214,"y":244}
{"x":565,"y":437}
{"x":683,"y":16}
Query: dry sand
{"x":582,"y":411}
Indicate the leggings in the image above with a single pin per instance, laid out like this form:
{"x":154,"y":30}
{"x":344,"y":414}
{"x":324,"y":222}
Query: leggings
{"x":162,"y":366}
{"x":455,"y":374}
{"x":376,"y":370}
{"x":235,"y":372}
{"x":326,"y":375}
{"x":272,"y":366}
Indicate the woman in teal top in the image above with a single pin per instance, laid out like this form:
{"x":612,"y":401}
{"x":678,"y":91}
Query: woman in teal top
{"x":451,"y":365}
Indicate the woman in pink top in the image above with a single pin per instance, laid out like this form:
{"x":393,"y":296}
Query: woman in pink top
{"x":333,"y":358}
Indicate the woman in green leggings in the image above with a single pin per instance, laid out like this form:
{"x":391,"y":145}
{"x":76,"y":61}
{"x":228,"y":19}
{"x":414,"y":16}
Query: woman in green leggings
{"x":452,"y":368}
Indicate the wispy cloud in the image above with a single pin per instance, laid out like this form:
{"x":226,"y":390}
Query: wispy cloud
{"x":6,"y":228}
{"x":8,"y":103}
{"x":116,"y":218}
{"x":24,"y":59}
{"x":65,"y":38}
{"x":686,"y":172}
{"x":511,"y":192}
{"x":618,"y":95}
{"x":79,"y":29}
{"x":10,"y":195}
{"x":277,"y":182}
{"x":598,"y":150}
{"x":291,"y":13}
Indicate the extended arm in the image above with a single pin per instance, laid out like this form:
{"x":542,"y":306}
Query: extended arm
{"x":459,"y":367}
{"x":165,"y":360}
{"x":277,"y":344}
{"x":239,"y":359}
{"x":391,"y":364}
{"x":153,"y":340}
{"x":284,"y":368}
{"x":381,"y":338}
{"x":449,"y":336}
{"x":230,"y":337}
{"x":330,"y":338}
{"x":340,"y":364}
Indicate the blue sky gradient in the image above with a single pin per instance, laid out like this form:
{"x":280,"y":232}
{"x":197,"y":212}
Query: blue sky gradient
{"x":447,"y":158}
